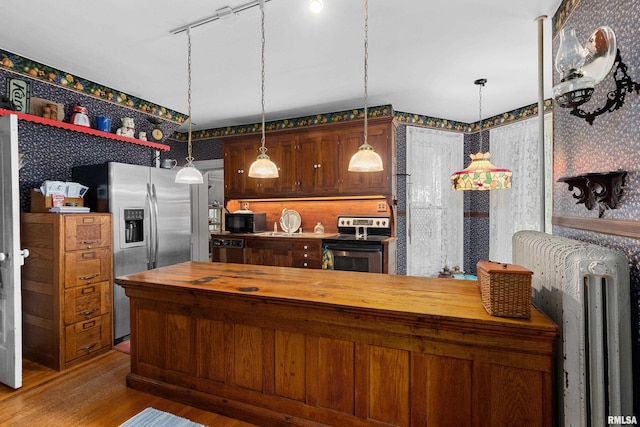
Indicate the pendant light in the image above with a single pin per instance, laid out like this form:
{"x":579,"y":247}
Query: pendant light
{"x":263,"y":167}
{"x":365,"y":159}
{"x":189,"y":174}
{"x":481,"y":174}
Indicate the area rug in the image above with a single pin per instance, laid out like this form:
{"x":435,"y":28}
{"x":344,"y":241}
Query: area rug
{"x":124,"y":346}
{"x":152,"y":417}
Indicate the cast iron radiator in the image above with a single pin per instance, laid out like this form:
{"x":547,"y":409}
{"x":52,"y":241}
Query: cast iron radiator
{"x":584,"y":288}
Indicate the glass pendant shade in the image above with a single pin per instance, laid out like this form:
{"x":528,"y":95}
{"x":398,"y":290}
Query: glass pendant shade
{"x":263,"y":167}
{"x":189,"y":175}
{"x":365,"y":160}
{"x":481,"y":174}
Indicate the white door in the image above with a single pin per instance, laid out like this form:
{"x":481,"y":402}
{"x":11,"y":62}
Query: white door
{"x":11,"y":257}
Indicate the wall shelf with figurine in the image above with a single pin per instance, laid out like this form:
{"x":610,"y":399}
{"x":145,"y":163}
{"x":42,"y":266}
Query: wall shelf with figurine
{"x":83,"y":129}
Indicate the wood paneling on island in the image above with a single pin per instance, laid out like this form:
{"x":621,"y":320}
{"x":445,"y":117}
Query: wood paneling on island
{"x":286,"y":346}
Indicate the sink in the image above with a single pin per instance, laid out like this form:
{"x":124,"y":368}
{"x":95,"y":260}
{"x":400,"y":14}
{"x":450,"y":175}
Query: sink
{"x":283,"y":234}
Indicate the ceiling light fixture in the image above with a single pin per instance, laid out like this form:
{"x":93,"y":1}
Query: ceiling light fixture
{"x":263,"y":167}
{"x":316,"y":6}
{"x":481,"y":174}
{"x":189,"y":174}
{"x":366,"y":159}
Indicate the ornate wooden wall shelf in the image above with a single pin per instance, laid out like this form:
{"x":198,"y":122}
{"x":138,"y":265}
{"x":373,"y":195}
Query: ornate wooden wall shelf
{"x":83,"y":129}
{"x":597,"y":189}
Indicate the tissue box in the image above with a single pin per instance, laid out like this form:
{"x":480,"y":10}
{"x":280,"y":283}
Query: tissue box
{"x":40,"y":203}
{"x":505,"y":289}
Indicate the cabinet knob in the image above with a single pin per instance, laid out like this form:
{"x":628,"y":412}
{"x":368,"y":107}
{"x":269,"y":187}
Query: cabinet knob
{"x":306,"y":255}
{"x":305,"y":264}
{"x":306,"y":246}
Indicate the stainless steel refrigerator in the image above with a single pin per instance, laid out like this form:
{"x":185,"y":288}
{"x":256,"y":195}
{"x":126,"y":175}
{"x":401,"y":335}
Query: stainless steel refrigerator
{"x":151,"y":221}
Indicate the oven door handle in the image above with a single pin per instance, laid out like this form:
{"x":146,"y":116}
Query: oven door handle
{"x":341,"y":251}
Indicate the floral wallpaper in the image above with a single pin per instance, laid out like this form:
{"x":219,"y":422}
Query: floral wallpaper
{"x":35,"y":70}
{"x":611,"y":143}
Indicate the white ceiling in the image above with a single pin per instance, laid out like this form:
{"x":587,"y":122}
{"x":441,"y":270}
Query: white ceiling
{"x":423,"y":55}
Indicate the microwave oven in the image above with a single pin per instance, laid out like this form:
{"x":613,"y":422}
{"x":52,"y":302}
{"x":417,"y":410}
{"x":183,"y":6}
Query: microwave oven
{"x":254,"y":222}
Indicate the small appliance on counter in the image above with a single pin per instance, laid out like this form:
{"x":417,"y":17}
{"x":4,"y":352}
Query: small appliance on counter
{"x":246,"y":222}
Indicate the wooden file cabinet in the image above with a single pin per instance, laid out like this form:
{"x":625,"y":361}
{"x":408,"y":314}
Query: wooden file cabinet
{"x":66,"y":287}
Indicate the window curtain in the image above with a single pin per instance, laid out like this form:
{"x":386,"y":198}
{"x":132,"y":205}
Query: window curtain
{"x":515,"y":147}
{"x":434,"y":212}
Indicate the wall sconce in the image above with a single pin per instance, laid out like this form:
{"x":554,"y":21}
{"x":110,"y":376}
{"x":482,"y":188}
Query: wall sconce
{"x":582,"y":68}
{"x":602,"y":189}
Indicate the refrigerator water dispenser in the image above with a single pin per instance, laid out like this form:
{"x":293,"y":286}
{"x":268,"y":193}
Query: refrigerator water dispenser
{"x":133,"y":226}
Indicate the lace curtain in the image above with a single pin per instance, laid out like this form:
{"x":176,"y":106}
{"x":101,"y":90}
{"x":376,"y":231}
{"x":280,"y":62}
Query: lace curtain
{"x":434,"y":212}
{"x":515,"y":147}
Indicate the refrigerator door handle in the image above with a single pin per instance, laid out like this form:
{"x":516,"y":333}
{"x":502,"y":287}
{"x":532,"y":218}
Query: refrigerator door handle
{"x":149,"y":200}
{"x":155,"y":227}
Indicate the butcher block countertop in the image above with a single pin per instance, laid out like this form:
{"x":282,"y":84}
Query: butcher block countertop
{"x":406,"y":296}
{"x":280,"y":346}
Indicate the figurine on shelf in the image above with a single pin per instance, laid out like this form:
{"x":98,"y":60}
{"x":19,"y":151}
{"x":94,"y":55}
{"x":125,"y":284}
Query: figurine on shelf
{"x":142,"y":136}
{"x":79,"y":116}
{"x":128,"y":127}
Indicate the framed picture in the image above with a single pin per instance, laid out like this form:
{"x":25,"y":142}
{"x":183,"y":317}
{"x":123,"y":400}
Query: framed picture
{"x":19,"y":92}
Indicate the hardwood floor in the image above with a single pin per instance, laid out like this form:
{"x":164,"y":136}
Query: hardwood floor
{"x":93,"y":394}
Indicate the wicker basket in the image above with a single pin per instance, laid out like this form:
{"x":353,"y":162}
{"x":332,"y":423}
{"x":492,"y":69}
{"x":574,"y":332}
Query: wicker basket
{"x":505,"y":289}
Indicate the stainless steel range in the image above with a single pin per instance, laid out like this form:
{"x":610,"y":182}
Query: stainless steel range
{"x":360,"y":245}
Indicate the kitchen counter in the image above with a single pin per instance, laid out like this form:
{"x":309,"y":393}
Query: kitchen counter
{"x":283,"y":346}
{"x":282,"y":234}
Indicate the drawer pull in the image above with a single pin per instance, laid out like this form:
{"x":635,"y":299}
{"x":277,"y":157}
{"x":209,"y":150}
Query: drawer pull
{"x":88,"y":242}
{"x":88,"y":220}
{"x":89,"y":277}
{"x":89,"y":347}
{"x":89,"y":255}
{"x":88,"y":313}
{"x":88,"y":290}
{"x":89,"y":325}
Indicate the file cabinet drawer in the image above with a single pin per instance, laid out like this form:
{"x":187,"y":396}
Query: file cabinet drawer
{"x":87,"y":267}
{"x":87,"y":337}
{"x":86,"y":302}
{"x":87,"y":231}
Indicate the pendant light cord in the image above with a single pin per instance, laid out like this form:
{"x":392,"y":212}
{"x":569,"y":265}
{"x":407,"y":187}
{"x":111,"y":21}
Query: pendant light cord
{"x":263,"y":149}
{"x":189,"y":157}
{"x":366,"y":65}
{"x":480,"y":83}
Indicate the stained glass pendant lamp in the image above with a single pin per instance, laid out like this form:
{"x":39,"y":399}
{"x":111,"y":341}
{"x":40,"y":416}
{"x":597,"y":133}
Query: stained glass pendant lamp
{"x":481,"y":174}
{"x":365,"y":159}
{"x":263,"y":167}
{"x":189,"y":174}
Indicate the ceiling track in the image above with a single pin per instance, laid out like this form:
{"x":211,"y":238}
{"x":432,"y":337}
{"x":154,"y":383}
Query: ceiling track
{"x":220,"y":14}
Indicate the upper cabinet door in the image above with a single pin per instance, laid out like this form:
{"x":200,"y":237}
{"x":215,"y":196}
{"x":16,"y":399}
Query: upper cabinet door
{"x":317,"y":160}
{"x":353,"y":183}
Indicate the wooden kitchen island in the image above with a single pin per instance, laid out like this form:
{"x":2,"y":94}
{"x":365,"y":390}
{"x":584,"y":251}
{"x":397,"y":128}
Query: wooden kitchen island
{"x":287,"y":346}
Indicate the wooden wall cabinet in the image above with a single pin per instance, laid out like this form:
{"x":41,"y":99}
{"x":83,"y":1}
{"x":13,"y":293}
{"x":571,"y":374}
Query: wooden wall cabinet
{"x":313,"y":162}
{"x":66,"y":287}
